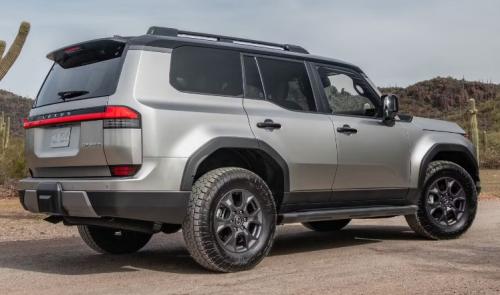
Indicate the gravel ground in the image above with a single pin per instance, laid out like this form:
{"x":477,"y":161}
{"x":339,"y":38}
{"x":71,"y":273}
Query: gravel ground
{"x":379,"y":256}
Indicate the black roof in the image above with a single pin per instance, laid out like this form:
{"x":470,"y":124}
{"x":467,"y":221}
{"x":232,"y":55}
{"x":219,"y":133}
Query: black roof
{"x":172,"y":38}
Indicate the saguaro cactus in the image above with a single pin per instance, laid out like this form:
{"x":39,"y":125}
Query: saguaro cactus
{"x":10,"y":57}
{"x":2,"y":48}
{"x":473,"y":125}
{"x":4,"y":133}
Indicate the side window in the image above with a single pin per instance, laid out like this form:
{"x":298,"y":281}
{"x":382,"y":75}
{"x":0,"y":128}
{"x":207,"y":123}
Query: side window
{"x":287,"y":84}
{"x":253,"y":84}
{"x":206,"y":70}
{"x":346,"y":95}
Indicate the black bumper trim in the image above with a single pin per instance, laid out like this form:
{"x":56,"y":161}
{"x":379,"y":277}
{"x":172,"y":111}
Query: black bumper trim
{"x":157,"y":206}
{"x":165,"y":207}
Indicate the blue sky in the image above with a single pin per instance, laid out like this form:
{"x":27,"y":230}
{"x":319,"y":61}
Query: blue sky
{"x":396,"y":42}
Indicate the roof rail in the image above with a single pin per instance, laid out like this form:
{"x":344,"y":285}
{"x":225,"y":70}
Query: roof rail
{"x":171,"y":32}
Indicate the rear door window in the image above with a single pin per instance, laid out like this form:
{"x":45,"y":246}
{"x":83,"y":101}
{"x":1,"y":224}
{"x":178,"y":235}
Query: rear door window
{"x":287,"y":84}
{"x":81,"y":72}
{"x":206,"y":71}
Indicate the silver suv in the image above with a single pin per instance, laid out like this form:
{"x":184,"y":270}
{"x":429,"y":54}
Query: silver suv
{"x":226,"y":138}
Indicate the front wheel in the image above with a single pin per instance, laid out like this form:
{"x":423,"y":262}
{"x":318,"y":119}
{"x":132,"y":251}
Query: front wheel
{"x":447,"y":206}
{"x":113,"y":241}
{"x":231,"y":220}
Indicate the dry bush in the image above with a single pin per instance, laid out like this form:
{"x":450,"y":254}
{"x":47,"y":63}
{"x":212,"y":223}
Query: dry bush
{"x":12,"y":162}
{"x":490,"y":157}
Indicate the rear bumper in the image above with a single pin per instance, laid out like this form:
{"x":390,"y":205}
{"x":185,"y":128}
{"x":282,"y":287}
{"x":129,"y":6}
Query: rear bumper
{"x":153,"y":194}
{"x":156,"y":206}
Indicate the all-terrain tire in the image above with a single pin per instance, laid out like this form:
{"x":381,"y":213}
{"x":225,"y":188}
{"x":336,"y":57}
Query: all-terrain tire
{"x":202,"y":238}
{"x":328,"y":225}
{"x":422,"y":222}
{"x":112,"y":241}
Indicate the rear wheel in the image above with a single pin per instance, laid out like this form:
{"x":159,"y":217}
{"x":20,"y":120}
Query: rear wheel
{"x":447,"y":206}
{"x":328,"y":225}
{"x":113,"y":241}
{"x":231,"y":220}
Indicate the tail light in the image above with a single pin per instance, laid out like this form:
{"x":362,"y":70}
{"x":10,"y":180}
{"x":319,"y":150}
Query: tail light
{"x":121,"y":117}
{"x":124,"y":170}
{"x":113,"y":116}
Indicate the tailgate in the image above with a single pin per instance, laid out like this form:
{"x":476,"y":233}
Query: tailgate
{"x":73,"y":149}
{"x":72,"y":131}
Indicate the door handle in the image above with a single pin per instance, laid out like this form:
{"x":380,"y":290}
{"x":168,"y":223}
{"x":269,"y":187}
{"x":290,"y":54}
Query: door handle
{"x":270,"y":124}
{"x":347,"y":129}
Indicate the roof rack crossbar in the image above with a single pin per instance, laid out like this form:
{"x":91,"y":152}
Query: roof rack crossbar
{"x":172,"y":32}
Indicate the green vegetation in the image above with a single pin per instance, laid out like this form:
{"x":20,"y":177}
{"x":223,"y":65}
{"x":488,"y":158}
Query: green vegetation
{"x":12,"y":162}
{"x":4,"y":133}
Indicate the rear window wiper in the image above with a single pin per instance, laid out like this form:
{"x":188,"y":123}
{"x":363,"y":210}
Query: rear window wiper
{"x":71,"y":94}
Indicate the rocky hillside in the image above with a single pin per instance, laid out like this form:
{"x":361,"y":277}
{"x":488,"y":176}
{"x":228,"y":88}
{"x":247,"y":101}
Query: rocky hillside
{"x":447,"y":98}
{"x":17,"y":107}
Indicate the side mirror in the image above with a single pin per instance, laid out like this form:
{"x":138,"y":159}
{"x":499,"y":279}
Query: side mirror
{"x":390,"y":108}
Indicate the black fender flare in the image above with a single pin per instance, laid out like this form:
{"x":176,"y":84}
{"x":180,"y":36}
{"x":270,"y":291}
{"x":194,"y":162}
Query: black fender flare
{"x":213,"y":145}
{"x":445,"y":147}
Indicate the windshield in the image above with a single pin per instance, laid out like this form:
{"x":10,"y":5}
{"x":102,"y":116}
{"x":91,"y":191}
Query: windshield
{"x":80,"y":74}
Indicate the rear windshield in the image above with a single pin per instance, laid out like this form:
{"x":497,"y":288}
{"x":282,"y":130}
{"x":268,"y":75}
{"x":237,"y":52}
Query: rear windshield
{"x":81,"y":72}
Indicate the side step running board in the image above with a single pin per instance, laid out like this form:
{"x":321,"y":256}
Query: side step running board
{"x":347,"y":213}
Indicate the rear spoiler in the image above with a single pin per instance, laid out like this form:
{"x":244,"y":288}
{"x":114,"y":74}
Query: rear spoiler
{"x":88,"y":52}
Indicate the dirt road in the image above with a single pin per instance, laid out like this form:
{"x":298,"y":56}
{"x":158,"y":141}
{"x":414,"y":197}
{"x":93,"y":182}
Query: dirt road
{"x":371,"y":256}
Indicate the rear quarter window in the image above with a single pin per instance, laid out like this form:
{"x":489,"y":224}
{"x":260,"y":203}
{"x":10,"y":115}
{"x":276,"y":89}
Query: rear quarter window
{"x":206,"y":71}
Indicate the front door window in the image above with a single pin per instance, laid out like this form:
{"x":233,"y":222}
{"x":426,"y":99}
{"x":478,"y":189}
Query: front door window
{"x":346,"y":95}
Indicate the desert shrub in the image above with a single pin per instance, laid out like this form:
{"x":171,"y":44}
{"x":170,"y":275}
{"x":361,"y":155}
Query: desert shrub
{"x":12,"y":161}
{"x":490,"y":157}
